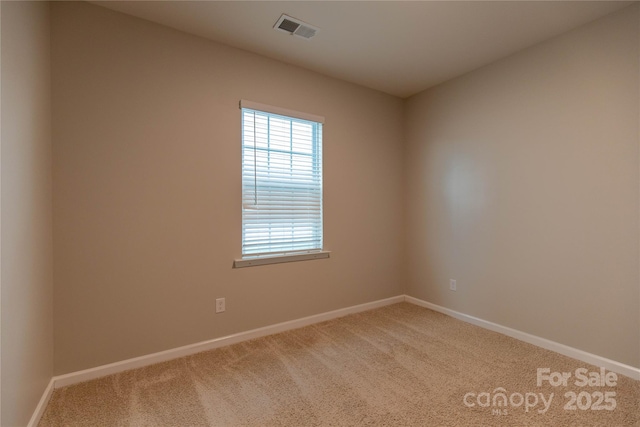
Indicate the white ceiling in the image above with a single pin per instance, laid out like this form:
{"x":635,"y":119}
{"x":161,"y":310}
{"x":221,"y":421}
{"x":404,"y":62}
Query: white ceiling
{"x":397,"y":47}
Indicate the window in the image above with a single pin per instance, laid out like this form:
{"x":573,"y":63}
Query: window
{"x":281,"y":185}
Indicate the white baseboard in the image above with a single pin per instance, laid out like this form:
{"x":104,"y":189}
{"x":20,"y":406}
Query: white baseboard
{"x":611,"y":365}
{"x":42,"y":405}
{"x":163,"y":356}
{"x":138,"y":362}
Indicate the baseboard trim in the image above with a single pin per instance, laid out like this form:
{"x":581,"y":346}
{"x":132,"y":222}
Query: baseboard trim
{"x":583,"y":356}
{"x":163,"y":356}
{"x":42,"y":405}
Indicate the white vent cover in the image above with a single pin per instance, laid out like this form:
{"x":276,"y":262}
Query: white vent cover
{"x":295,"y":27}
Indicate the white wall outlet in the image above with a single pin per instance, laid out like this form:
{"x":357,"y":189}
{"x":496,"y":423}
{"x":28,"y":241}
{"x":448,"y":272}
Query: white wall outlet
{"x":220,"y":305}
{"x":452,"y":284}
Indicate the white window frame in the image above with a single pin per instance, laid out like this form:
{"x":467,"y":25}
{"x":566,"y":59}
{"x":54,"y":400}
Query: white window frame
{"x":271,"y":256}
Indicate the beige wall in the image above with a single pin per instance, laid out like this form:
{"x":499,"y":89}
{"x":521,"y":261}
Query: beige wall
{"x":147,"y":180}
{"x":523,"y":186}
{"x":27,"y":283}
{"x":521,"y":177}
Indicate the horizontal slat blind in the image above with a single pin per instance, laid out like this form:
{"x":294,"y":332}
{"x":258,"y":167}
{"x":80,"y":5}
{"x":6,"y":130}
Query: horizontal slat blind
{"x":281,"y":184}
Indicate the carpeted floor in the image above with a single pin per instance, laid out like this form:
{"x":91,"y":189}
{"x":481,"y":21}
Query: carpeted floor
{"x":400,"y":365}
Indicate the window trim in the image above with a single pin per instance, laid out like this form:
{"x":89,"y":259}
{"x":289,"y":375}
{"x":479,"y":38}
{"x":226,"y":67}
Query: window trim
{"x":279,"y":110}
{"x":278,"y":259}
{"x":249,"y":260}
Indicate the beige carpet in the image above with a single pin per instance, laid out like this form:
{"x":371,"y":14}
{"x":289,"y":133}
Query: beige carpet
{"x":400,"y":365}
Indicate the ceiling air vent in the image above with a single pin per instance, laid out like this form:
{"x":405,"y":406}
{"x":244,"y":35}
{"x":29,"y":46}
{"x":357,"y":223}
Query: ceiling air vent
{"x":295,"y":27}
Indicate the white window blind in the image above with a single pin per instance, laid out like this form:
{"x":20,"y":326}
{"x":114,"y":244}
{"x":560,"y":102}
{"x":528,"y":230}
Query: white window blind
{"x":281,"y":181}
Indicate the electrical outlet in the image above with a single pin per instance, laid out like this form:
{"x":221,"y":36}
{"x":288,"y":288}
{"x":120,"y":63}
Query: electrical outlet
{"x":220,"y":305}
{"x":452,"y":284}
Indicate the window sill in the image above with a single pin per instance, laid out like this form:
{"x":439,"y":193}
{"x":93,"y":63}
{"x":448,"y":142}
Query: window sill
{"x":252,"y":262}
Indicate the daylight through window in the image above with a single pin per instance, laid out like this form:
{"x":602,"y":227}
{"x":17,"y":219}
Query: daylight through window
{"x":281,"y":181}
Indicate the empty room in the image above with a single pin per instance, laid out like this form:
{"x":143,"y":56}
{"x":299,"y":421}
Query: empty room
{"x":341,"y":213}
